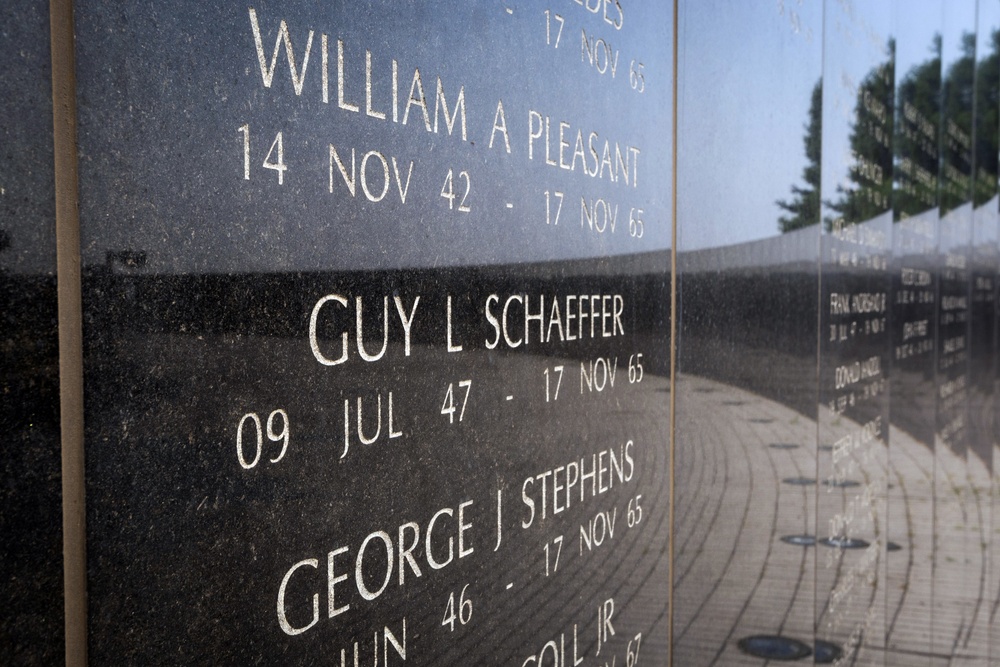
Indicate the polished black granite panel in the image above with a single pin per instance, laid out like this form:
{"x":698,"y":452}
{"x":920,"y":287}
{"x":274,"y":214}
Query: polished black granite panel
{"x":374,"y":452}
{"x":913,"y":333}
{"x":983,"y":425}
{"x":377,"y":313}
{"x":746,"y":394}
{"x":853,"y":416}
{"x":376,"y":332}
{"x":957,"y":538}
{"x":856,"y":351}
{"x":375,"y":138}
{"x":31,"y":590}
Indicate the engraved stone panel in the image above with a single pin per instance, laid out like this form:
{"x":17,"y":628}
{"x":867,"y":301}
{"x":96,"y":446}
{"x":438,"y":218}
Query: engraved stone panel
{"x":957,"y":555}
{"x":748,"y":232}
{"x":854,"y":339}
{"x":914,"y":290}
{"x":376,"y":338}
{"x":31,"y":588}
{"x":378,"y":304}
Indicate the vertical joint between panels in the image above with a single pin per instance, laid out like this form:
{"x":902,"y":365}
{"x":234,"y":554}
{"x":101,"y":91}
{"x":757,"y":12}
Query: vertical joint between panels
{"x":70,"y":329}
{"x":673,"y":344}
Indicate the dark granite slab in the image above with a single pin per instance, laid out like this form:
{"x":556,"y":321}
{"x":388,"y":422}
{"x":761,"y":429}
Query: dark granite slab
{"x":854,"y":341}
{"x":748,"y":241}
{"x":984,"y":459}
{"x":957,"y":590}
{"x":341,"y":397}
{"x":377,"y":333}
{"x":913,"y":331}
{"x":836,"y":383}
{"x":31,"y":588}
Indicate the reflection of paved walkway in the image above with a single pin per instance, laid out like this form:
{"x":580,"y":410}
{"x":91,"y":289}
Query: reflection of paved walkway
{"x":737,"y":456}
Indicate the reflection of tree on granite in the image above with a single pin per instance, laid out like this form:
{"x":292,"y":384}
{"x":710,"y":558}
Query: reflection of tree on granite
{"x":916,"y":139}
{"x":987,"y":123}
{"x":956,"y":140}
{"x":804,"y":206}
{"x":870,"y":193}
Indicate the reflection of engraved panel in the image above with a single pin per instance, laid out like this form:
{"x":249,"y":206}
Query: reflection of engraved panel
{"x":853,"y":418}
{"x":984,"y":262}
{"x":914,"y":316}
{"x":956,"y":589}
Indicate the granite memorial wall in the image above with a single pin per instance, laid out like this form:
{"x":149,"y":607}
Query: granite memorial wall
{"x":600,"y":332}
{"x":836,"y":347}
{"x":30,"y":498}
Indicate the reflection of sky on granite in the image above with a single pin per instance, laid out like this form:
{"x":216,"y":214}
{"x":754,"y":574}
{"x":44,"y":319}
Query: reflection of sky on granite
{"x":920,"y":21}
{"x":858,"y":37}
{"x":740,"y":126}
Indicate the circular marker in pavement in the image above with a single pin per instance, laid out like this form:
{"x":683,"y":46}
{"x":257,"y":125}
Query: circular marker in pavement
{"x":799,"y":540}
{"x":892,"y":546}
{"x":783,"y":445}
{"x":774,"y":647}
{"x":799,"y":481}
{"x":826,"y":653}
{"x":843,"y":543}
{"x":842,"y":484}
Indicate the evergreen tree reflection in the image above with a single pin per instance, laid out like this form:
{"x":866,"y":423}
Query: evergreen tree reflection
{"x":916,"y":139}
{"x":987,"y":123}
{"x":956,"y":140}
{"x":913,"y":119}
{"x":870,"y":191}
{"x":804,"y":206}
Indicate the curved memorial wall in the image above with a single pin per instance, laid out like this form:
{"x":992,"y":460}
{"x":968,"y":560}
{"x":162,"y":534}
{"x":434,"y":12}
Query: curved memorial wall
{"x":601,"y":332}
{"x":836,"y":347}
